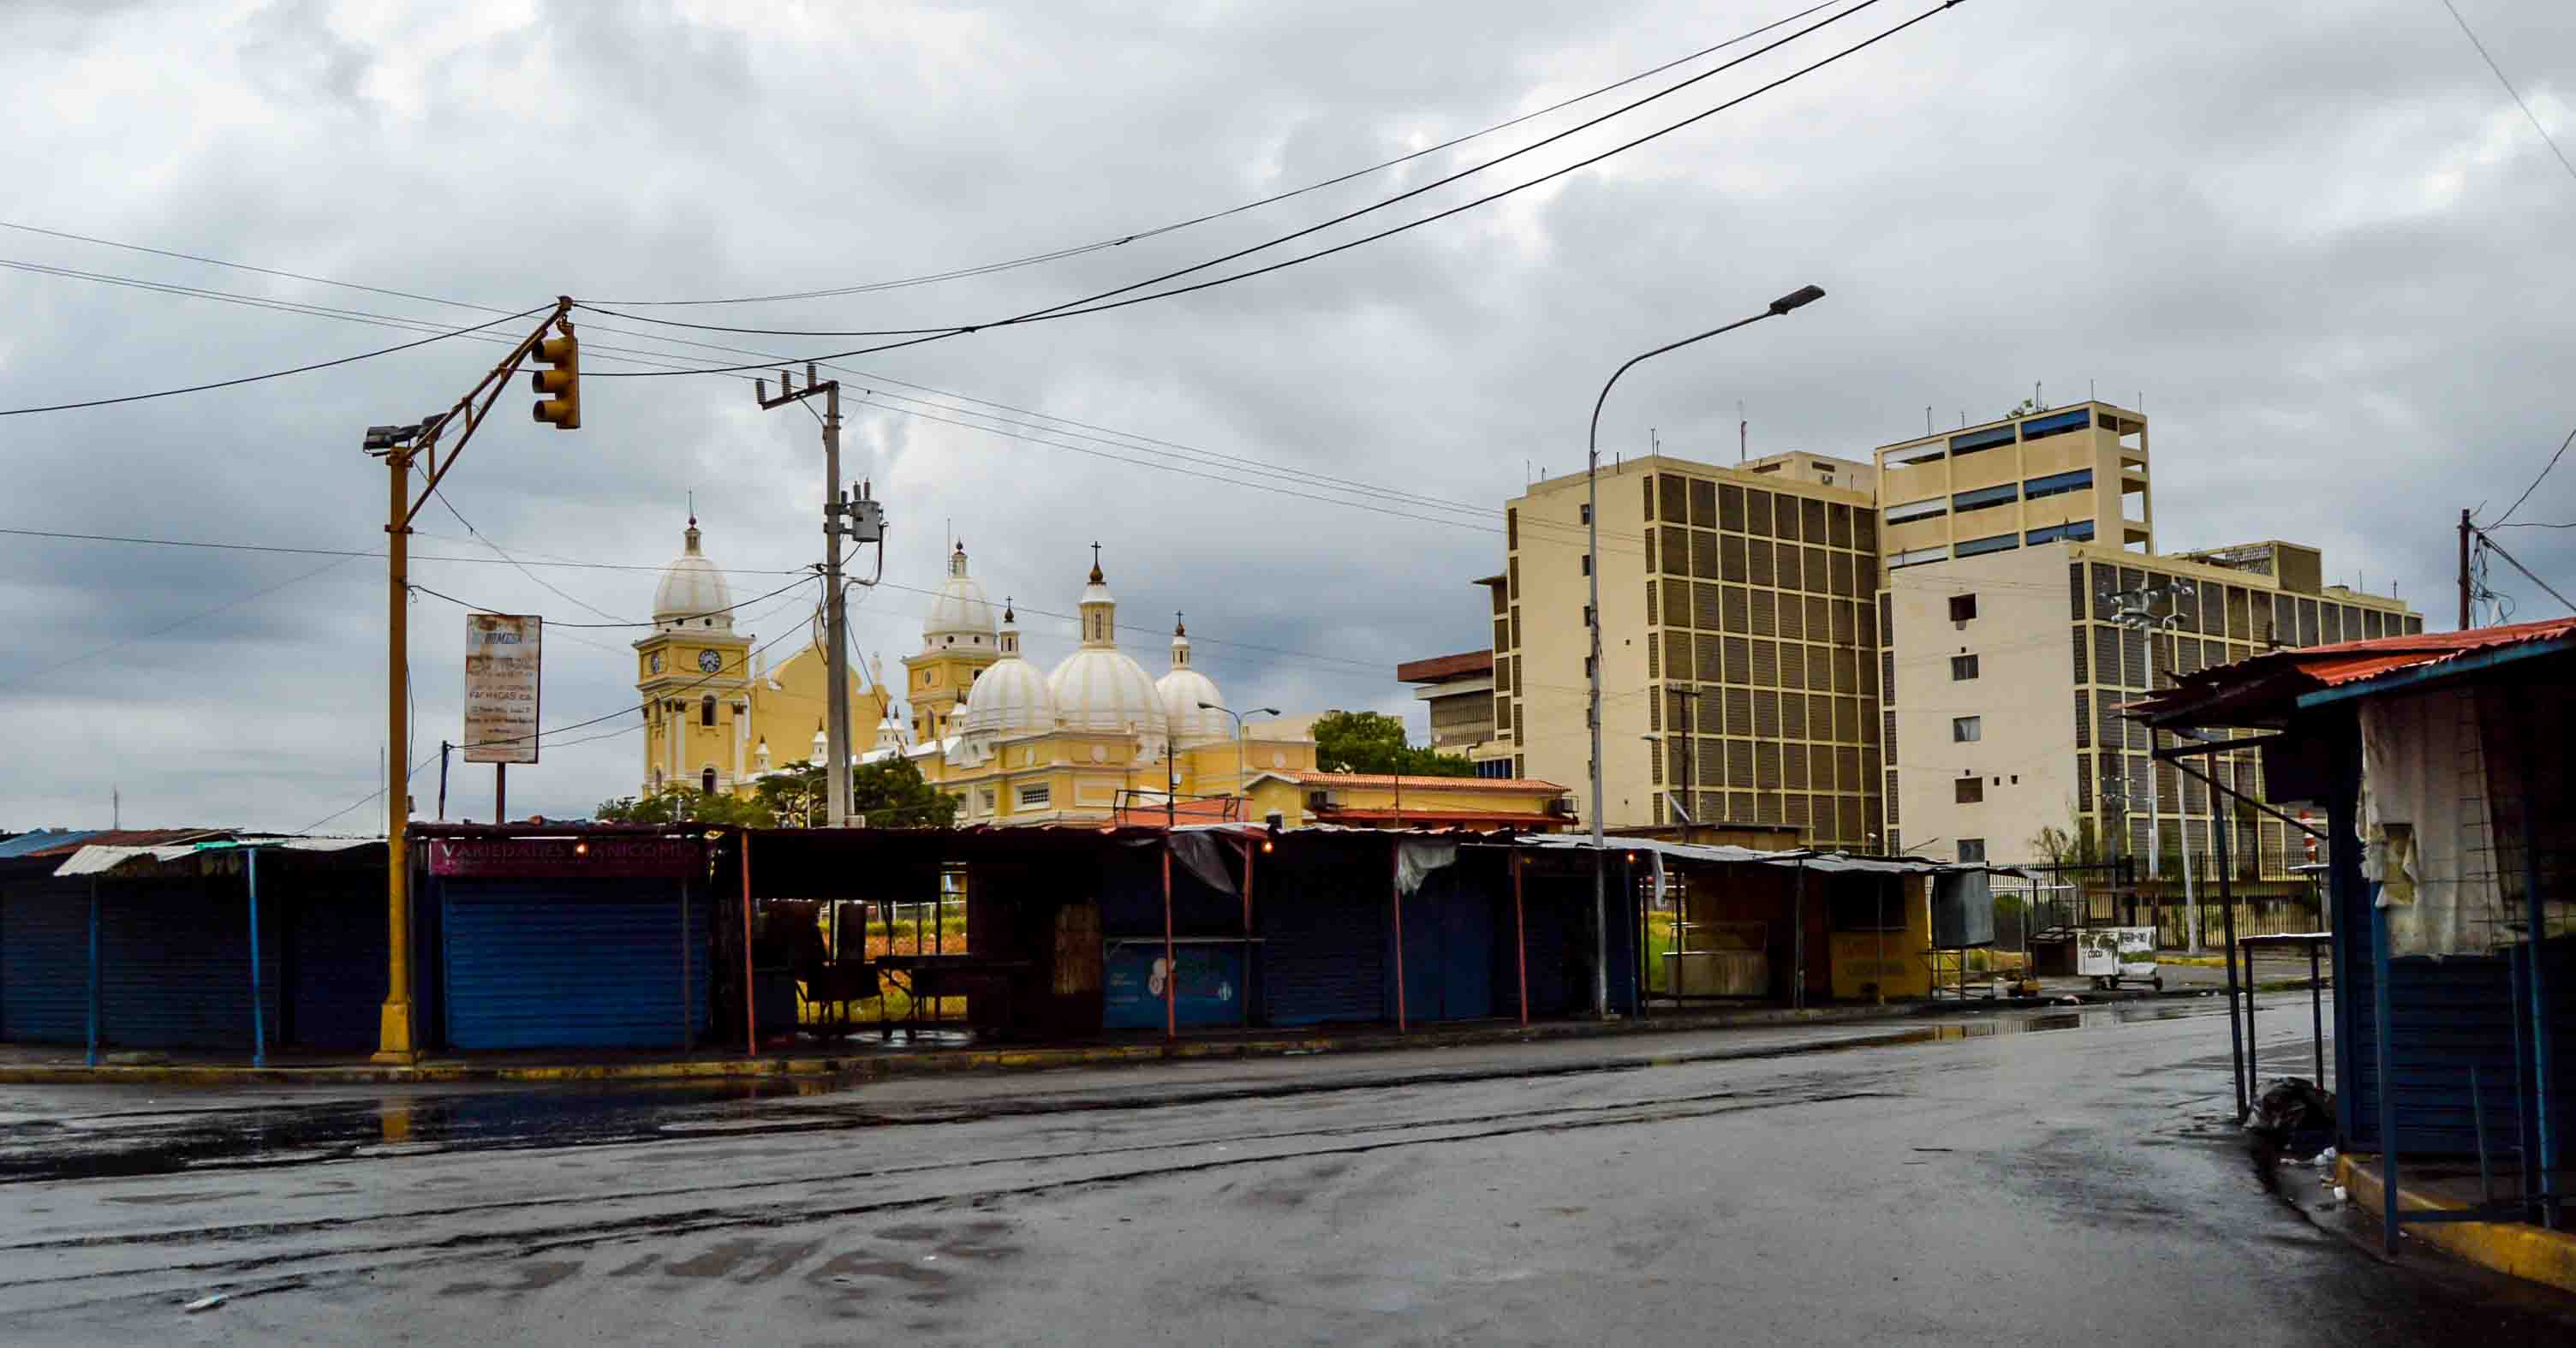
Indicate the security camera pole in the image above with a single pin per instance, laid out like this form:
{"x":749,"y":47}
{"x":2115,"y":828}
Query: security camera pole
{"x":1592,"y":624}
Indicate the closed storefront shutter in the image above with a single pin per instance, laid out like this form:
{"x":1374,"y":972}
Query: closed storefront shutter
{"x":44,"y":962}
{"x":571,"y":963}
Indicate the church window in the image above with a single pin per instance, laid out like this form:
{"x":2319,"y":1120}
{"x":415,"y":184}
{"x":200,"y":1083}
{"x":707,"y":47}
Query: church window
{"x":707,"y":781}
{"x":706,"y":711}
{"x":1034,"y":797}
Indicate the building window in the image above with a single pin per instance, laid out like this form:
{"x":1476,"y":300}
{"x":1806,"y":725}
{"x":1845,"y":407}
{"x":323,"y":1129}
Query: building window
{"x":1587,"y":563}
{"x":1986,"y":496}
{"x":2081,"y":531}
{"x":2060,"y":424}
{"x":1962,"y":668}
{"x":2057,"y":484}
{"x":1917,"y":557}
{"x":1979,"y":547}
{"x":1918,"y":510}
{"x":1583,"y":513}
{"x":984,"y":801}
{"x":1968,"y":791}
{"x":1972,"y":851}
{"x":706,"y":711}
{"x":1967,"y":729}
{"x":707,"y":781}
{"x":1963,"y":607}
{"x":1034,"y":797}
{"x":1591,"y":665}
{"x":1971,"y":441}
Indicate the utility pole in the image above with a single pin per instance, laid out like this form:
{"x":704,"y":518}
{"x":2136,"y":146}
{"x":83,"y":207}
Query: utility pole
{"x":2136,"y":611}
{"x":2465,"y":591}
{"x":867,"y":525}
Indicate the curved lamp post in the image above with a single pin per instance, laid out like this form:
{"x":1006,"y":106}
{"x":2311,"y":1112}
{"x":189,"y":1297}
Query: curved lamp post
{"x":1238,"y":735}
{"x":1802,"y":296}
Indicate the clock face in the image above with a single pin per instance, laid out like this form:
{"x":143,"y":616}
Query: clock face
{"x":710,"y":662}
{"x":656,"y":662}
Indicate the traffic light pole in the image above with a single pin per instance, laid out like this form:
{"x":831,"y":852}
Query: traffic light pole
{"x":403,"y":447}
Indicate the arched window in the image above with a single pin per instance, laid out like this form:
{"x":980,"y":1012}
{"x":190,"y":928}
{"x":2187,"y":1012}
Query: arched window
{"x":707,"y":781}
{"x":707,"y":710}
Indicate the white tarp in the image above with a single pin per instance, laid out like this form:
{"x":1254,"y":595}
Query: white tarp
{"x":1416,"y":859}
{"x":2427,"y":827}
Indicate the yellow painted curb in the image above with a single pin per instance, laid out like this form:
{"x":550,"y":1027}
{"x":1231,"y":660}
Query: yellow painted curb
{"x":2523,"y":1250}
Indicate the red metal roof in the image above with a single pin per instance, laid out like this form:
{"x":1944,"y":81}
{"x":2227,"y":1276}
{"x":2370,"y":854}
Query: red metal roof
{"x":2264,"y":683}
{"x":1434,"y":818}
{"x":1444,"y":667}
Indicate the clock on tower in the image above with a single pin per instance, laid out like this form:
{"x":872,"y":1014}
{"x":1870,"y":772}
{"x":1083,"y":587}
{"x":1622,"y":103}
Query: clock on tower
{"x":709,"y":662}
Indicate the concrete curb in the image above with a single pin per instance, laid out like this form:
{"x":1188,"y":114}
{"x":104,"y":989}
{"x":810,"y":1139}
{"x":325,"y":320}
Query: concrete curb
{"x":2524,"y":1251}
{"x":879,"y":1066}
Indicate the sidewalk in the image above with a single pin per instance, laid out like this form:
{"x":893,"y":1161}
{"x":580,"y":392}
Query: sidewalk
{"x":2522,"y":1250}
{"x":947,"y":1052}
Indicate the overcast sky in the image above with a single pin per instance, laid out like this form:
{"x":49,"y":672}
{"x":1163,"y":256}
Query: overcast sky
{"x":2318,"y":240}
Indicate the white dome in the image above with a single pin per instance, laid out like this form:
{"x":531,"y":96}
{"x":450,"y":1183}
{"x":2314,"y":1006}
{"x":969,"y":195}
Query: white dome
{"x":1190,"y":699}
{"x":1011,"y":697}
{"x":960,"y":615}
{"x":693,"y":593}
{"x":1101,"y":688}
{"x":1189,"y":702}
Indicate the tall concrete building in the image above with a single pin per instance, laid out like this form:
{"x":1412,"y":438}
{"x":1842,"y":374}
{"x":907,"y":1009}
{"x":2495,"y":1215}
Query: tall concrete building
{"x":1924,"y":652}
{"x":1739,"y":644}
{"x":2020,"y":560}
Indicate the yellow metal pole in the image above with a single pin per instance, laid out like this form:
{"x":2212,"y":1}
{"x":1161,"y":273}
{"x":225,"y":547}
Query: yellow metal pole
{"x":395,"y":1042}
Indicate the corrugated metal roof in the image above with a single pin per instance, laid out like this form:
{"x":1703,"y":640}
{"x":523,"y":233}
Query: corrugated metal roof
{"x":101,"y":858}
{"x":124,"y":837}
{"x":2260,"y":678}
{"x":42,"y":840}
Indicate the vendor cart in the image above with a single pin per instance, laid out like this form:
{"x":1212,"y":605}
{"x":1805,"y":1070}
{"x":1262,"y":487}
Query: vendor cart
{"x":2108,"y":954}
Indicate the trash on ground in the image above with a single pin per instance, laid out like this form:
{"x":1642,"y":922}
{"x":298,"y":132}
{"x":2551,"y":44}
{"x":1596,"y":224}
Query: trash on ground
{"x":206,"y":1303}
{"x":2293,"y":1119}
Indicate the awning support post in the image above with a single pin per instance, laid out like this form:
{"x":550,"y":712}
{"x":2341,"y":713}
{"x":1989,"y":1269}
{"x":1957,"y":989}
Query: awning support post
{"x":2380,"y":1055}
{"x":1520,"y":936}
{"x":258,"y":1022}
{"x":1395,"y":875}
{"x":2535,"y":914}
{"x":750,"y":999}
{"x":1171,"y":965}
{"x":2240,"y":1048}
{"x":94,"y":1016}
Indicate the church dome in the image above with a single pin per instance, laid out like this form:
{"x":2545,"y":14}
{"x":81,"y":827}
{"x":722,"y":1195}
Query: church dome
{"x":960,"y":615}
{"x":1190,"y":699}
{"x":1010,"y":696}
{"x":1100,"y":688}
{"x":693,"y":593}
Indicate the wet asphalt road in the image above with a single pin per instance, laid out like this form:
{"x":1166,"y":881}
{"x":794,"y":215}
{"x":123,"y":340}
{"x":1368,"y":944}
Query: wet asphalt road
{"x":2031,"y":1178}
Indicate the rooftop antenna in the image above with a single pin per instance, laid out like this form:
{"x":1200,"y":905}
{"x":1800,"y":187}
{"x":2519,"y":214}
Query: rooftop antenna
{"x":115,"y":807}
{"x":1927,"y":418}
{"x":1743,"y":432}
{"x":2089,"y":395}
{"x":2038,"y":401}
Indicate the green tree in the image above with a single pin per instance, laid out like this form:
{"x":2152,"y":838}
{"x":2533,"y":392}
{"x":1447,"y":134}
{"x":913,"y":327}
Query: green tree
{"x":676,"y":803}
{"x":894,"y":794}
{"x":794,"y":796}
{"x":1367,"y":741}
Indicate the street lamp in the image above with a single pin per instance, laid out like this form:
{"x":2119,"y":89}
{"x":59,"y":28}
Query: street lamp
{"x":1238,"y":735}
{"x":1690,"y":762}
{"x":2136,"y":611}
{"x":1802,"y":296}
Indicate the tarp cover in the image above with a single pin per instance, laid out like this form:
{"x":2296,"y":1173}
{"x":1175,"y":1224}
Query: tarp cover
{"x":2427,"y":825}
{"x":1416,"y":859}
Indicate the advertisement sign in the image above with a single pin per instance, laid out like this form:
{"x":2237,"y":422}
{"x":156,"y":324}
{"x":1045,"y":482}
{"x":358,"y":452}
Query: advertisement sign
{"x":501,"y":687}
{"x":566,"y":858}
{"x":1209,"y":992}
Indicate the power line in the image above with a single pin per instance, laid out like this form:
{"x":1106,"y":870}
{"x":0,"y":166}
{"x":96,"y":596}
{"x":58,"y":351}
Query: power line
{"x":2518,"y":101}
{"x":1336,"y":180}
{"x":352,"y":552}
{"x":666,"y":361}
{"x":482,"y":608}
{"x":1088,"y":305}
{"x":273,"y":374}
{"x":29,"y":677}
{"x":2511,"y":561}
{"x":2535,"y":482}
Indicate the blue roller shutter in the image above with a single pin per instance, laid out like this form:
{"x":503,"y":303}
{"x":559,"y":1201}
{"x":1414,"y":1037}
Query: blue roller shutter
{"x":1323,"y":950}
{"x":44,"y":962}
{"x":1556,"y":984}
{"x":570,"y":964}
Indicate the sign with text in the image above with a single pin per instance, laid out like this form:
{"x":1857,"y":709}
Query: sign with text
{"x":501,"y":687}
{"x":563,"y":858}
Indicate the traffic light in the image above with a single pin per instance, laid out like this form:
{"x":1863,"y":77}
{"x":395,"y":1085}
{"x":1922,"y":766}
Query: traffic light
{"x":560,"y":407}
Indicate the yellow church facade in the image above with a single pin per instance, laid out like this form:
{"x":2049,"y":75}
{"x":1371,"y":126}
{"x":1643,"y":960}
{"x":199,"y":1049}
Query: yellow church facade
{"x":1093,"y":739}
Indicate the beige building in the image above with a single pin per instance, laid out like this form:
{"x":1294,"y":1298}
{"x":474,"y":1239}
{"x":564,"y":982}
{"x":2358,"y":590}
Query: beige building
{"x":1739,"y":644}
{"x":2015,"y":548}
{"x":1458,"y":692}
{"x":1919,"y":653}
